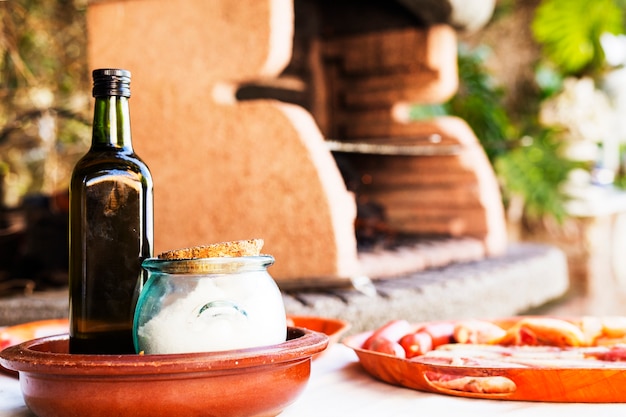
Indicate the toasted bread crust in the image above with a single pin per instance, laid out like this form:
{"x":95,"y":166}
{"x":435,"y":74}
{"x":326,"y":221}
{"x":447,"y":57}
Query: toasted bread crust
{"x":250,"y":247}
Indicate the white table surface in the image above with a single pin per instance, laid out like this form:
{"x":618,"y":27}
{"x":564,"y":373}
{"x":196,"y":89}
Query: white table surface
{"x":339,"y":387}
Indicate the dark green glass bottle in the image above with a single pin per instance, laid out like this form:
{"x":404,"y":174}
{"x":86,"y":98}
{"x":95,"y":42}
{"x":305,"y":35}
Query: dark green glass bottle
{"x":111,"y":225}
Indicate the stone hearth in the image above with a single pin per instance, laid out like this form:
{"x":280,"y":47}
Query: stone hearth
{"x":525,"y":277}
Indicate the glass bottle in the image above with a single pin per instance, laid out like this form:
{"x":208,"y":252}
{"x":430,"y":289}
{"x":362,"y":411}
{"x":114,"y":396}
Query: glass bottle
{"x":111,"y":225}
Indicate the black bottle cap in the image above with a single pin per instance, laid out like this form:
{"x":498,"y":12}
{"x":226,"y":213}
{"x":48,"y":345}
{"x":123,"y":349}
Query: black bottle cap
{"x":111,"y":82}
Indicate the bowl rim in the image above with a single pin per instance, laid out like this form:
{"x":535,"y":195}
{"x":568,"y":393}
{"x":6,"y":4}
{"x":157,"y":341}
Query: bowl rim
{"x":301,"y":344}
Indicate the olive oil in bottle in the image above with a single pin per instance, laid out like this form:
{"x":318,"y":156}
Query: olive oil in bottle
{"x":111,"y":225}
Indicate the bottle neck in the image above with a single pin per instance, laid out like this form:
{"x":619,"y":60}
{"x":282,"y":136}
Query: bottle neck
{"x":111,"y":123}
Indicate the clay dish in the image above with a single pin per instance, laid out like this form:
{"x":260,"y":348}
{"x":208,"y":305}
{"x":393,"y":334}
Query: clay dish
{"x":331,"y":327}
{"x":248,"y":382}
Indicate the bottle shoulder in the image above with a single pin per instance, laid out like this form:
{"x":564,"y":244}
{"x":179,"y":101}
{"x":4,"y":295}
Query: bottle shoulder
{"x":95,"y":163}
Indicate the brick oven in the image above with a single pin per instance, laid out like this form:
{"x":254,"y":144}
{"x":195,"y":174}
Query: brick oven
{"x":289,"y":121}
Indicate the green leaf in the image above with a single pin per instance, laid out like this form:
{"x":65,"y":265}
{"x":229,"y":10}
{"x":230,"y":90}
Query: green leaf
{"x":570,"y":30}
{"x":479,"y":102}
{"x":427,"y":111}
{"x":536,"y":171}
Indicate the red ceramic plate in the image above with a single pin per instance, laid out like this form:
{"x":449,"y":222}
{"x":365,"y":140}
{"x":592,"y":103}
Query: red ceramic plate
{"x":597,"y":382}
{"x":14,"y":335}
{"x":333,"y":328}
{"x":246,"y":382}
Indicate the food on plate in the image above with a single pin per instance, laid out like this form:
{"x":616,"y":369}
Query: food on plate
{"x":524,"y":342}
{"x":544,"y":331}
{"x":474,"y":384}
{"x":477,"y":331}
{"x":526,"y":331}
{"x":390,"y":347}
{"x":615,"y":353}
{"x":392,"y":331}
{"x":427,"y":337}
{"x":250,"y":247}
{"x":442,"y":333}
{"x":604,"y":330}
{"x":416,"y":343}
{"x":407,"y":340}
{"x":525,"y":358}
{"x":460,"y":354}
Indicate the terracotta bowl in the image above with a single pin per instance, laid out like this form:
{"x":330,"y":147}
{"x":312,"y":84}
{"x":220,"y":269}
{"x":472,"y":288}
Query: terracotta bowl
{"x":248,"y":382}
{"x":331,"y":327}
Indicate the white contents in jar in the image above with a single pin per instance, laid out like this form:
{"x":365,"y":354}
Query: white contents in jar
{"x":221,"y":313}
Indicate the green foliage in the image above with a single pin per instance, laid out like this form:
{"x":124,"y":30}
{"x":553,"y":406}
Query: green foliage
{"x":548,"y":80}
{"x":530,"y":168}
{"x":43,"y":47}
{"x":535,"y":171}
{"x":43,"y":73}
{"x":570,"y":30}
{"x":479,"y":102}
{"x":427,"y":111}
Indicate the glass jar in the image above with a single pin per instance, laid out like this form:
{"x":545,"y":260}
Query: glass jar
{"x":208,"y":304}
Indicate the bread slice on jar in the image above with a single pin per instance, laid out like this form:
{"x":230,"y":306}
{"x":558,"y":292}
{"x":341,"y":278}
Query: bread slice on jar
{"x":237,"y":248}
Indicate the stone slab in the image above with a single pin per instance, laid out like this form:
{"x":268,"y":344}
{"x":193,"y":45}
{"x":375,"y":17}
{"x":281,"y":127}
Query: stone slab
{"x":527,"y":276}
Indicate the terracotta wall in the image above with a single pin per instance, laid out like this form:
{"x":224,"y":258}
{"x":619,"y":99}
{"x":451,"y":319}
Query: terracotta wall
{"x":224,"y":169}
{"x":227,"y":169}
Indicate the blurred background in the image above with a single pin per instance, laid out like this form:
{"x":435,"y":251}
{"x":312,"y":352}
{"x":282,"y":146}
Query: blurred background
{"x":542,"y":84}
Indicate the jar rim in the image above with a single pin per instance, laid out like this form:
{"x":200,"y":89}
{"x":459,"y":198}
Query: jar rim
{"x":200,"y":265}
